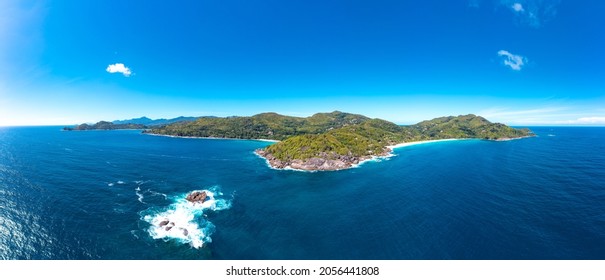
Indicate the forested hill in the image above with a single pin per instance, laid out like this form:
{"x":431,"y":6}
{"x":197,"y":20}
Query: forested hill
{"x":262,"y":126}
{"x":337,"y":140}
{"x":466,"y":126}
{"x":138,"y":123}
{"x":103,"y":125}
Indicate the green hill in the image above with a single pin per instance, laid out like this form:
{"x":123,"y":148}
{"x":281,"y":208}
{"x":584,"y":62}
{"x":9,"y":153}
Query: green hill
{"x":103,"y":125}
{"x":467,"y":126}
{"x":337,"y":140}
{"x":262,"y":126}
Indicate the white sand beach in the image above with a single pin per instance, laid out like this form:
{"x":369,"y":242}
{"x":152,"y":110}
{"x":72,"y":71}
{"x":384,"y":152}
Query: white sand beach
{"x":422,"y":142}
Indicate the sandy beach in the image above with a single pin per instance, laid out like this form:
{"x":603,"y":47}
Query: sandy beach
{"x":421,"y":142}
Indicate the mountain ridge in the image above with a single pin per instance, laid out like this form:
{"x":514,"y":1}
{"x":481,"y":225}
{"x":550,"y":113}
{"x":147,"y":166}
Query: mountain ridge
{"x":336,"y":140}
{"x":151,"y":122}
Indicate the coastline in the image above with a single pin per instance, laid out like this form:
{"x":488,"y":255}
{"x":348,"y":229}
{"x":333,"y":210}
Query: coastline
{"x":388,"y":155}
{"x":63,"y":129}
{"x":406,"y":144}
{"x":268,"y":163}
{"x":362,"y":160}
{"x":515,"y":138}
{"x":211,"y":138}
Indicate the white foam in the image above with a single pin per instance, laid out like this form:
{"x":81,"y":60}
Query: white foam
{"x":157,"y":193}
{"x":110,"y":184}
{"x":134,"y":233}
{"x":120,"y":182}
{"x":374,"y":159}
{"x":139,"y":195}
{"x":186,"y":222}
{"x":181,"y":219}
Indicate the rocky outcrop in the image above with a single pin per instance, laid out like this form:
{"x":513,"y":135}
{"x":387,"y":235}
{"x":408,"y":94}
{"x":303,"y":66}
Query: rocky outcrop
{"x":324,"y":162}
{"x":168,"y":226}
{"x":513,"y":138}
{"x":197,"y":197}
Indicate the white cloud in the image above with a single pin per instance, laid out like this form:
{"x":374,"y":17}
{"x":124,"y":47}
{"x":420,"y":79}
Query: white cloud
{"x":559,"y":120}
{"x":587,"y":120}
{"x":504,"y":112}
{"x":553,"y":114}
{"x":119,"y":68}
{"x":532,"y":12}
{"x":514,"y":61}
{"x":517,"y":7}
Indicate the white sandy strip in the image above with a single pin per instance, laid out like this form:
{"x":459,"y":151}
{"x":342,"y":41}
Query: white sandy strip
{"x":401,"y":145}
{"x":266,"y":140}
{"x":211,"y":138}
{"x":423,"y":142}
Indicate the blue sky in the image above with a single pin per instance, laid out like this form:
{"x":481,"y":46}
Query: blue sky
{"x":521,"y":62}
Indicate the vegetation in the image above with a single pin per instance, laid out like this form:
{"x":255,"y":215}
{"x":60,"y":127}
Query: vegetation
{"x":103,"y":125}
{"x":467,"y":126}
{"x":149,"y":122}
{"x":337,"y":135}
{"x":138,"y":123}
{"x":324,"y":141}
{"x":262,"y":126}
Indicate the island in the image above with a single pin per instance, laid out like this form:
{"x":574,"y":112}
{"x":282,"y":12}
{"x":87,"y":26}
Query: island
{"x":103,"y":125}
{"x":336,"y":140}
{"x":137,"y":123}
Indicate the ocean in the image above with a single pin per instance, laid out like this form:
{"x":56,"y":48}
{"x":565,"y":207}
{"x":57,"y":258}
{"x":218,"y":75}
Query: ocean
{"x":101,"y":194}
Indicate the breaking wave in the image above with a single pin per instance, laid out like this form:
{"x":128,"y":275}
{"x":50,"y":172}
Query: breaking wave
{"x":183,"y":221}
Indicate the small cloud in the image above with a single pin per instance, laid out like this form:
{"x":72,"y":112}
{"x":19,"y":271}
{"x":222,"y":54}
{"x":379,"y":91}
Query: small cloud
{"x":119,"y":68}
{"x":504,"y":112}
{"x":517,"y":7}
{"x":588,"y":120}
{"x":514,"y":61}
{"x":532,"y":12}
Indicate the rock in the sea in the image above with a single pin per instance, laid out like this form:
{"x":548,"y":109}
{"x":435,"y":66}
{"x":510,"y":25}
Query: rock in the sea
{"x":185,"y":232}
{"x":197,"y":196}
{"x":163,"y":223}
{"x":168,"y":228}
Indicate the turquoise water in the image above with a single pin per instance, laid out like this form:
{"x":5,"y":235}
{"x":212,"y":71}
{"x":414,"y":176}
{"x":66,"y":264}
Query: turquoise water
{"x":98,"y":195}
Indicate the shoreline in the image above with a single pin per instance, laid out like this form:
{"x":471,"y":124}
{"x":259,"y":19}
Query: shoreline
{"x":354,"y":165}
{"x":268,"y":163}
{"x":389,"y":154}
{"x":211,"y":138}
{"x":407,"y":144}
{"x":516,"y":138}
{"x":390,"y":150}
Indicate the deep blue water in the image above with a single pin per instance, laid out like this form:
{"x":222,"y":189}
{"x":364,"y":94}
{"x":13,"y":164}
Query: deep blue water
{"x":95,"y":195}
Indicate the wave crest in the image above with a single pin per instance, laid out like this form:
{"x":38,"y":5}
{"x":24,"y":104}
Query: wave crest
{"x":184,"y":221}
